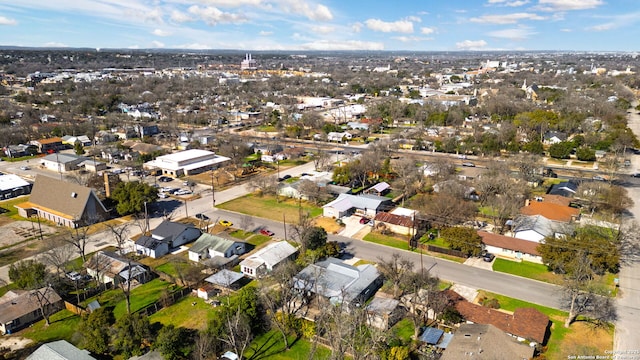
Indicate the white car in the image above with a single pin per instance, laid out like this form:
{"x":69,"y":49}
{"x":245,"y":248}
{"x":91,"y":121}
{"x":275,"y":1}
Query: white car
{"x":162,"y":195}
{"x":183,"y":192}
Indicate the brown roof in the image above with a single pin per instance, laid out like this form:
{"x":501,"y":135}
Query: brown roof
{"x":527,"y":323}
{"x":394,"y":219}
{"x":557,"y":199}
{"x":50,"y":140}
{"x":509,"y":243}
{"x":485,"y":341}
{"x":551,"y":211}
{"x":63,"y":198}
{"x":17,"y":303}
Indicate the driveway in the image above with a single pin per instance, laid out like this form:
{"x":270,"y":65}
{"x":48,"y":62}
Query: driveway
{"x":352,"y":225}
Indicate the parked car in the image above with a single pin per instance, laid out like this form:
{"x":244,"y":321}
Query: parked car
{"x":165,"y":179}
{"x":627,"y":162}
{"x":468,"y":164}
{"x":225,"y":223}
{"x":189,"y":183}
{"x":73,"y":275}
{"x":286,"y":177}
{"x":266,"y":232}
{"x":488,"y":257}
{"x":25,"y":168}
{"x":162,"y":195}
{"x":183,"y":192}
{"x":364,"y":220}
{"x":636,"y":175}
{"x":598,"y":178}
{"x":202,"y":217}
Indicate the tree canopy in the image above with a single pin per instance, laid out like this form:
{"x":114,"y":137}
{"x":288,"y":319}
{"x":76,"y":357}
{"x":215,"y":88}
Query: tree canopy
{"x":131,"y":197}
{"x":28,"y":274}
{"x":464,"y":239}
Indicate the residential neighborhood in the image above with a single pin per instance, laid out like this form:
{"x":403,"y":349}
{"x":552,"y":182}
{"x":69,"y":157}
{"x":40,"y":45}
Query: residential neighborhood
{"x":369,"y":206}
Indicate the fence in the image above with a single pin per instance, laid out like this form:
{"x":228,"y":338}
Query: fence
{"x":165,"y":302}
{"x":75,"y":308}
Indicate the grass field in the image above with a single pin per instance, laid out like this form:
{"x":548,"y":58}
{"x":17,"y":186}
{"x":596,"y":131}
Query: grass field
{"x":526,"y":269}
{"x":63,"y":325}
{"x":581,"y":338}
{"x":185,"y":314}
{"x":267,"y":207}
{"x":387,"y":240}
{"x":270,"y":346}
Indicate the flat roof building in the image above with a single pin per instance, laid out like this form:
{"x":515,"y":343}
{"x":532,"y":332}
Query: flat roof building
{"x":187,"y":162}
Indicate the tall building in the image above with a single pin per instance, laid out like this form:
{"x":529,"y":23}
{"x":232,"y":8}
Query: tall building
{"x":248,"y":63}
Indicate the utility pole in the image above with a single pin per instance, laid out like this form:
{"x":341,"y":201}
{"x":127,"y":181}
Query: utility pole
{"x":213,"y":191}
{"x":284,"y":223}
{"x":146,"y":216}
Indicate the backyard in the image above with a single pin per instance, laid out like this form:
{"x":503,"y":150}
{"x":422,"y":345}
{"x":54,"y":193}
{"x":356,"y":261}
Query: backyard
{"x":269,"y":208}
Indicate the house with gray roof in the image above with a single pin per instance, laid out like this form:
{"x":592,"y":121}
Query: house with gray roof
{"x":266,"y":259}
{"x":365,"y":205}
{"x":565,"y":188}
{"x":225,"y":279}
{"x":12,"y":185}
{"x":62,"y":162}
{"x":64,"y":203}
{"x":484,"y":341}
{"x":167,"y":236}
{"x":109,"y":267}
{"x":338,"y":282}
{"x":537,"y":227}
{"x":21,"y":308}
{"x":379,"y":189}
{"x":59,"y":350}
{"x":215,"y":250}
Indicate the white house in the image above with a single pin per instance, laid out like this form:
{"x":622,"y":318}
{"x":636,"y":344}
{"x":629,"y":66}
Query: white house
{"x":187,"y":162}
{"x":267,"y":258}
{"x":338,"y":136}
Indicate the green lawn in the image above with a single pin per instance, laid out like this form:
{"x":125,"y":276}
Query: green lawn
{"x":185,"y":314}
{"x":387,"y":240}
{"x":141,"y":296}
{"x":4,"y":289}
{"x":526,"y":269}
{"x":10,"y":209}
{"x":267,"y":207}
{"x":404,"y":329}
{"x":63,"y":325}
{"x":270,"y":346}
{"x":240,"y":234}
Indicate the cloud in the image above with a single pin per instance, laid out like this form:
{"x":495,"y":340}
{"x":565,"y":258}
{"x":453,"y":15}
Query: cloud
{"x":427,"y":30}
{"x":157,"y":44}
{"x":317,"y":12}
{"x":508,"y":3}
{"x":265,"y":33}
{"x":160,"y":32}
{"x":506,"y":18}
{"x":401,"y":26}
{"x":471,"y":45}
{"x":233,"y":3}
{"x":357,"y":27}
{"x":616,"y":21}
{"x":7,"y":21}
{"x":194,"y":46}
{"x":413,"y":18}
{"x":214,"y":16}
{"x":513,"y":34}
{"x":406,"y":39}
{"x":603,"y":27}
{"x":180,"y":17}
{"x":55,"y":44}
{"x":342,"y":45}
{"x":322,"y":29}
{"x":565,"y":5}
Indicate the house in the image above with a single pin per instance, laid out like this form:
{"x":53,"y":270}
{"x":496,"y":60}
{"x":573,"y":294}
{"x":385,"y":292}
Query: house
{"x":524,"y":324}
{"x":48,"y":146}
{"x":565,"y":188}
{"x":292,"y":190}
{"x":20,"y":150}
{"x":510,"y":247}
{"x":216,"y":251}
{"x":267,"y":149}
{"x":225,"y":279}
{"x":12,"y":185}
{"x":365,"y":205}
{"x":21,"y":308}
{"x":167,"y":236}
{"x":535,"y":228}
{"x":378,"y":189}
{"x":551,"y":211}
{"x":397,"y":224}
{"x":267,"y":258}
{"x":383,"y":313}
{"x":456,"y":187}
{"x":72,"y":140}
{"x":339,"y":282}
{"x":59,"y":350}
{"x":485,"y":341}
{"x":554,"y":137}
{"x":338,"y":136}
{"x":108,"y":267}
{"x":63,"y":203}
{"x":188,"y":162}
{"x":62,"y":162}
{"x":147,"y":129}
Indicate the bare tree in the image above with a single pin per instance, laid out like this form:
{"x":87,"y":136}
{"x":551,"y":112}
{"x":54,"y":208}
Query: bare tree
{"x":120,"y":233}
{"x":264,"y":185}
{"x":321,"y":160}
{"x":420,"y":289}
{"x":396,"y":270}
{"x":409,"y":177}
{"x":57,"y":254}
{"x":312,"y":191}
{"x":79,"y":239}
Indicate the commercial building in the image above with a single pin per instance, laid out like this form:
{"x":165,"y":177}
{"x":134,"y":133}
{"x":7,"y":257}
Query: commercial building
{"x":188,"y":162}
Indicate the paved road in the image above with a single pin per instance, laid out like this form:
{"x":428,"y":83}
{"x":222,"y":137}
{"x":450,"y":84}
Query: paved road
{"x":627,"y":334}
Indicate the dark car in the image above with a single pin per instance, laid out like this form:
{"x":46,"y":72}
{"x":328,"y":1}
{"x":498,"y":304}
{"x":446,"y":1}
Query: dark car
{"x":286,"y":177}
{"x":364,"y":220}
{"x":636,"y":175}
{"x":165,"y":179}
{"x":488,"y":257}
{"x":202,"y":217}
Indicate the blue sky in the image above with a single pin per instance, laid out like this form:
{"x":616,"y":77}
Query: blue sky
{"x":423,"y":25}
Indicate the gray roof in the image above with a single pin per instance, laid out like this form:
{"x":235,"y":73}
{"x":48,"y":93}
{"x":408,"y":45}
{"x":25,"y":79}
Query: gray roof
{"x":382,"y":305}
{"x":224,"y":278}
{"x":337,"y":280}
{"x":168,"y":230}
{"x":59,"y":350}
{"x":65,"y":158}
{"x":149,"y":242}
{"x":64,"y":197}
{"x":482,"y":341}
{"x":213,"y":242}
{"x":537,"y":223}
{"x":17,"y":303}
{"x":380,"y":187}
{"x":271,"y":254}
{"x":347,"y":201}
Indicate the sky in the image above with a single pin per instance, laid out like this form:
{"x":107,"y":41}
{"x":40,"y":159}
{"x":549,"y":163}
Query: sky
{"x":413,"y":25}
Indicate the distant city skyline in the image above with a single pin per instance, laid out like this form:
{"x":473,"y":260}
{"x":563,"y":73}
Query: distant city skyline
{"x":414,"y":25}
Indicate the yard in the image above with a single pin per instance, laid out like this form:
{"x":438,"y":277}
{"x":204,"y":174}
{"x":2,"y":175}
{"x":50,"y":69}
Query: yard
{"x":189,"y":312}
{"x":270,"y":346}
{"x":581,"y":338}
{"x":526,"y":269}
{"x":269,"y":208}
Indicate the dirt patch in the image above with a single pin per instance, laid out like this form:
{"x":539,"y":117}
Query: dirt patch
{"x":330,"y":225}
{"x":14,"y":342}
{"x":16,"y":232}
{"x":585,"y":339}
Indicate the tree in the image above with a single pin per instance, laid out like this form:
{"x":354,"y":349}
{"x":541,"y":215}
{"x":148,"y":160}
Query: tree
{"x":561,"y":150}
{"x":131,"y":333}
{"x":95,"y":330}
{"x":396,"y":270}
{"x":28,"y":274}
{"x":78,"y":148}
{"x":585,"y":153}
{"x":264,"y":185}
{"x":464,"y":239}
{"x":173,"y":342}
{"x":132,"y":196}
{"x":315,"y":238}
